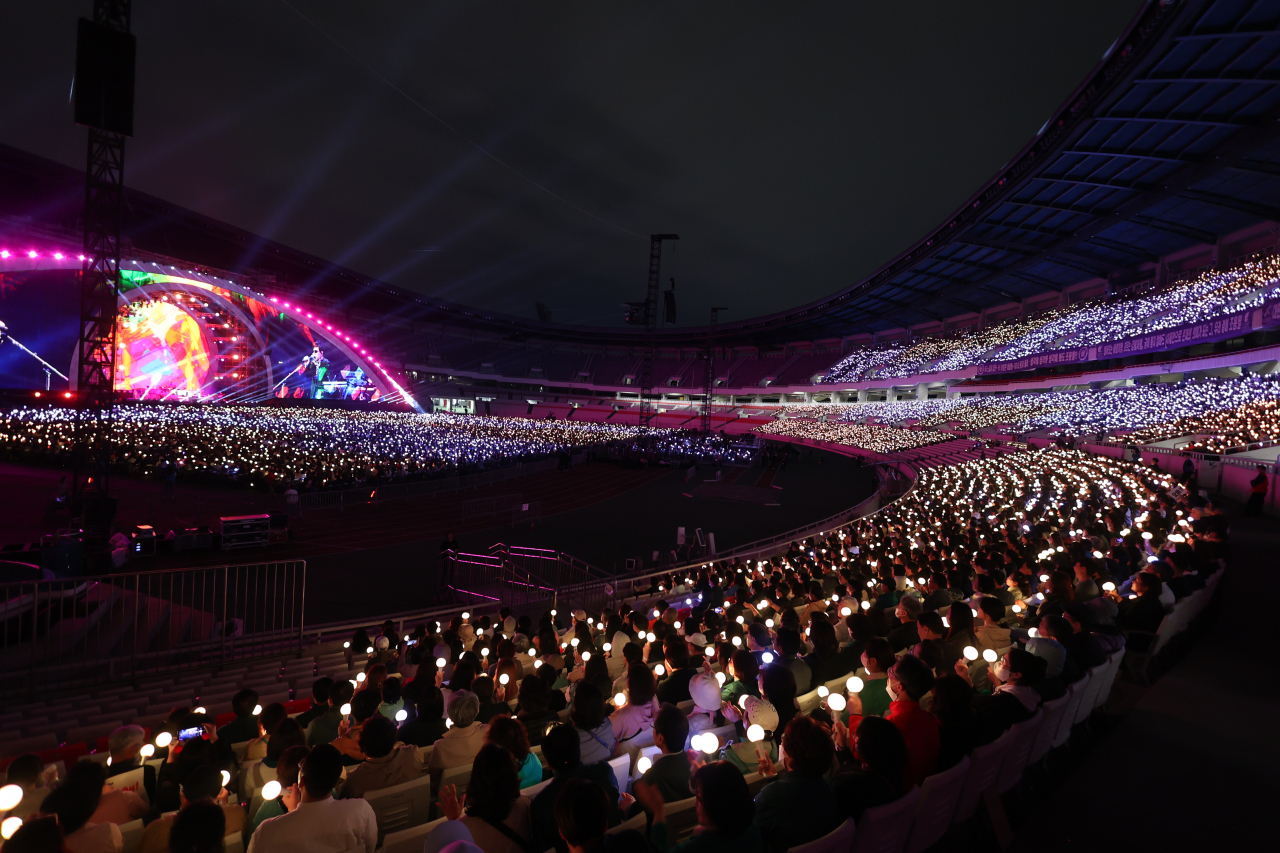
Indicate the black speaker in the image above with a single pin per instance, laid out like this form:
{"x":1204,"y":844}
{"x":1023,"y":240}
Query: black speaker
{"x":104,"y":78}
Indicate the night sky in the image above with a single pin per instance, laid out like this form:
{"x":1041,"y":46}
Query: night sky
{"x":795,"y":147}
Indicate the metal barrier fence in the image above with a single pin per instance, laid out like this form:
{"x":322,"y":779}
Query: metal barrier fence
{"x":381,"y":493}
{"x":82,"y":631}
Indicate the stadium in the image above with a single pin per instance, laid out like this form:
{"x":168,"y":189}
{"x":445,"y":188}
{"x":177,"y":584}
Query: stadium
{"x":931,"y":562}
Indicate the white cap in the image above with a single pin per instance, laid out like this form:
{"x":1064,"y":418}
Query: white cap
{"x":705,"y":691}
{"x":761,"y":713}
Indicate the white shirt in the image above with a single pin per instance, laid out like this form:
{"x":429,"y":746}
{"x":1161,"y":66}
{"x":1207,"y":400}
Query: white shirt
{"x":325,"y":826}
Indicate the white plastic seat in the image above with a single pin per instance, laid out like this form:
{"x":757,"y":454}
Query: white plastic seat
{"x":533,"y":790}
{"x":621,"y":771}
{"x":884,"y":829}
{"x":458,"y":777}
{"x":682,"y":817}
{"x":233,"y":843}
{"x":402,"y":806}
{"x":131,"y":832}
{"x":1015,"y":761}
{"x":411,"y":840}
{"x":1077,"y":694}
{"x":984,"y":769}
{"x":937,"y":806}
{"x":638,"y":823}
{"x":1054,"y":711}
{"x":838,"y":840}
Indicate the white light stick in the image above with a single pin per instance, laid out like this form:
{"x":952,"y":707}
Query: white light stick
{"x":755,"y":732}
{"x":619,"y":700}
{"x":836,"y":702}
{"x":644,"y":764}
{"x":271,"y":790}
{"x":257,"y":710}
{"x":360,"y":677}
{"x":441,"y":663}
{"x":659,"y":670}
{"x":586,"y":656}
{"x":9,"y":826}
{"x":163,"y":739}
{"x":990,"y":656}
{"x":823,"y":692}
{"x":710,"y":743}
{"x":147,"y":750}
{"x":10,"y":797}
{"x":345,"y":710}
{"x":720,"y":678}
{"x":504,"y":678}
{"x":970,"y":653}
{"x":226,"y":777}
{"x":854,"y":684}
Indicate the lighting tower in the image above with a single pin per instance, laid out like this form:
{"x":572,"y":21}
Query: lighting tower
{"x":709,"y":378}
{"x":105,"y":54}
{"x":651,"y":326}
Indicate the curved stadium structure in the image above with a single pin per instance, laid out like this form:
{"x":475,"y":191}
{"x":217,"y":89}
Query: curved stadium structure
{"x":1046,"y":401}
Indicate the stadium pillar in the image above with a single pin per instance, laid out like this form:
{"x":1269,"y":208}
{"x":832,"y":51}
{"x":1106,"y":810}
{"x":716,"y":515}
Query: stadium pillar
{"x":922,"y":391}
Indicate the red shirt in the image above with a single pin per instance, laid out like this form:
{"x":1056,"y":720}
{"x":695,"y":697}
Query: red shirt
{"x":920,"y":730}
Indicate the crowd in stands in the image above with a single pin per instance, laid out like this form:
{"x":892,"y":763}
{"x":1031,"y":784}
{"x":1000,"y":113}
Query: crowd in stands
{"x":881,"y":439}
{"x":317,"y":448}
{"x":1225,"y":413}
{"x":949,"y":617}
{"x":1088,"y":323}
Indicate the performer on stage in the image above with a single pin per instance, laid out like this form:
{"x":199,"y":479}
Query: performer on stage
{"x":313,"y":368}
{"x":358,"y":385}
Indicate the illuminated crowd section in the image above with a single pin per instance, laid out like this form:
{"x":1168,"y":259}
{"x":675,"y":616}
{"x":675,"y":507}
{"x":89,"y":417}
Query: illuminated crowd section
{"x":1224,"y":414}
{"x":958,"y":513}
{"x":329,"y":444}
{"x":1203,"y":298}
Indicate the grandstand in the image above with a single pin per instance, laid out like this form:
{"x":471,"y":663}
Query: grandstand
{"x":1029,"y":448}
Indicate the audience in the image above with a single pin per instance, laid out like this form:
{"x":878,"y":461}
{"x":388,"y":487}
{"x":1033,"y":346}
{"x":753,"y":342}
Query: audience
{"x":318,"y":823}
{"x":498,"y":818}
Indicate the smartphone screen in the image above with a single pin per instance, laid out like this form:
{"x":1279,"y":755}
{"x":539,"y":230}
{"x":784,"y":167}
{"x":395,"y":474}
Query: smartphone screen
{"x":193,"y":732}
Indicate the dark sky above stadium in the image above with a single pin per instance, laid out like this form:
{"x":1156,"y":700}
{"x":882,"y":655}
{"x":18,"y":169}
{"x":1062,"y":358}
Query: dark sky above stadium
{"x":795,"y":147}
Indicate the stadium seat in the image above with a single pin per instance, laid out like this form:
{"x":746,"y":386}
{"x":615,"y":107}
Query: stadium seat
{"x":1015,"y":761}
{"x":984,"y":769}
{"x":402,"y":806}
{"x":638,"y":823}
{"x":884,"y":829}
{"x":839,"y":840}
{"x":939,"y":795}
{"x":131,"y":832}
{"x":409,"y":840}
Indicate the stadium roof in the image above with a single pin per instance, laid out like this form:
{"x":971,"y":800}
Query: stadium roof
{"x":1171,"y":142}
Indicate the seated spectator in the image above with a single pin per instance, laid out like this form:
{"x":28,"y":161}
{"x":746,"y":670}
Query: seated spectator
{"x":631,"y":655}
{"x":637,"y":715}
{"x":960,"y":630}
{"x":1082,"y":645}
{"x":204,"y":784}
{"x":1014,"y":697}
{"x":958,"y":728}
{"x":594,"y":730}
{"x":560,"y":749}
{"x":489,"y":708}
{"x":384,"y":763}
{"x":324,"y":727}
{"x":874,"y":775}
{"x":582,"y":819}
{"x":827,"y":662}
{"x":909,"y":680}
{"x":392,"y":702}
{"x":74,"y":802}
{"x":498,"y":818}
{"x":745,"y":673}
{"x":429,"y":725}
{"x":27,"y":772}
{"x":244,"y":727}
{"x":363,"y":707}
{"x":271,"y":716}
{"x":534,"y":711}
{"x":725,"y":814}
{"x":674,"y":686}
{"x":125,"y":744}
{"x":198,"y":828}
{"x":37,"y":835}
{"x":1086,"y":587}
{"x":932,"y":633}
{"x":670,"y":771}
{"x":1146,"y":612}
{"x":319,"y":701}
{"x":874,"y":700}
{"x":319,"y":822}
{"x":508,"y":733}
{"x":462,"y":741}
{"x":990,"y":634}
{"x":905,"y":635}
{"x":287,"y":776}
{"x":802,"y":790}
{"x":777,"y":683}
{"x":789,"y":645}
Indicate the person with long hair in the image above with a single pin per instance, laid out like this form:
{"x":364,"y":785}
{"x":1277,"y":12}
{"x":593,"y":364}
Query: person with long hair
{"x":507,"y":732}
{"x":595,"y":732}
{"x":497,"y":817}
{"x":804,"y":790}
{"x":875,"y":759}
{"x":960,"y":631}
{"x":726,"y":813}
{"x":778,"y":684}
{"x":636,"y":716}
